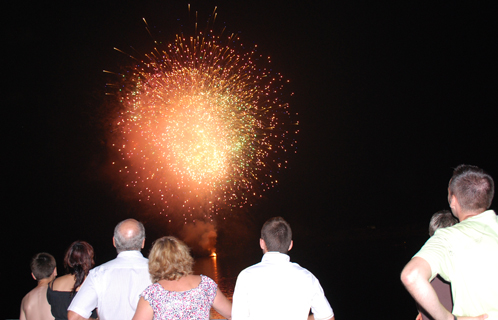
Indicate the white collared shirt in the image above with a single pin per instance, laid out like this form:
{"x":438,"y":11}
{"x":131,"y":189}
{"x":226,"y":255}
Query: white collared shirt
{"x":113,"y":287}
{"x":276,"y":288}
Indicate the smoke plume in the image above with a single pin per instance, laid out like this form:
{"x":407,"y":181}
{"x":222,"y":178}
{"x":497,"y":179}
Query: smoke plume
{"x":200,"y":236}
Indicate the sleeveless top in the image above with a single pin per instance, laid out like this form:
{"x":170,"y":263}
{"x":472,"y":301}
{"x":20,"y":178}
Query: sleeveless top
{"x":59,"y":302}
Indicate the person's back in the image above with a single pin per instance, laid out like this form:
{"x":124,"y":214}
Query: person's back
{"x":59,"y":296}
{"x":465,"y":254}
{"x":122,"y":279}
{"x":473,"y":245}
{"x":176,"y":292}
{"x":279,"y":289}
{"x":114,"y":287}
{"x":34,"y":305}
{"x":78,"y":260}
{"x":276,"y":288}
{"x":440,"y":219}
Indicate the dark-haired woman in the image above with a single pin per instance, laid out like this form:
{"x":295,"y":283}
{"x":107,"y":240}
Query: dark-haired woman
{"x":78,"y":261}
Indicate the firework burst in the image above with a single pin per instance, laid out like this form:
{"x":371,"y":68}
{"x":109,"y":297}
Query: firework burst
{"x":203,"y":125}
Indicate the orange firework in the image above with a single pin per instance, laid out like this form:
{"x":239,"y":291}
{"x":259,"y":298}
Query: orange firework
{"x":203,"y":125}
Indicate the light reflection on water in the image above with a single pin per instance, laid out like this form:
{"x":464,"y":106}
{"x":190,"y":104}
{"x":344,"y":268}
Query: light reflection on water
{"x":209,"y":266}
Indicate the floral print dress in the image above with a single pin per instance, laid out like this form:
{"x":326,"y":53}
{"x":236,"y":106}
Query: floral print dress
{"x":183,"y":305}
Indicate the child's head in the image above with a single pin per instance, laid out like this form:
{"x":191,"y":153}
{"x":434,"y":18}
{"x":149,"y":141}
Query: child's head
{"x":42,"y":266}
{"x":441,"y":219}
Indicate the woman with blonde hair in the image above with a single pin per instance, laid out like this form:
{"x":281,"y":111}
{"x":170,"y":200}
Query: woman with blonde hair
{"x":176,"y":293}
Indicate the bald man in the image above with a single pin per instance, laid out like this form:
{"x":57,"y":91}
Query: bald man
{"x":114,"y":287}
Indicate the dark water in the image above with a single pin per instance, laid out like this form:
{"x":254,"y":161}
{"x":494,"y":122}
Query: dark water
{"x":358,"y":270}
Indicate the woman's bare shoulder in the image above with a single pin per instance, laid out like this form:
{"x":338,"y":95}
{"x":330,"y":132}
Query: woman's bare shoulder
{"x":64,"y":283}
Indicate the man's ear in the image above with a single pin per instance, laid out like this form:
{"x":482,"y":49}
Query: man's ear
{"x":456,"y":209}
{"x":114,"y":242}
{"x":262,"y":245}
{"x":143,"y":243}
{"x":454,"y":204}
{"x":452,"y":201}
{"x":290,"y":246}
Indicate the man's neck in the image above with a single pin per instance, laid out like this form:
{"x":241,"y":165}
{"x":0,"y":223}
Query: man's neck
{"x":128,"y":251}
{"x":469,"y":214}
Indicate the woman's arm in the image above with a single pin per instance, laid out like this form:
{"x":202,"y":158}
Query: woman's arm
{"x":222,"y":305}
{"x":144,"y":311}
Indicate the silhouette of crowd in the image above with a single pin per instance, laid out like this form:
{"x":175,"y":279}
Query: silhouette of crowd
{"x":453,"y":276}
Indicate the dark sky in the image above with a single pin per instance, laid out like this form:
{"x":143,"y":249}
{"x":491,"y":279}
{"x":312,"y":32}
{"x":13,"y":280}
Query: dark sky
{"x":390,"y":96}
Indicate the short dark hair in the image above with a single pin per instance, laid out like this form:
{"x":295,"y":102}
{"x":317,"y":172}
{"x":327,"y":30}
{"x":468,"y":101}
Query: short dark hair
{"x":441,"y":219}
{"x":42,"y":265}
{"x":473,"y":187}
{"x":277,"y":234}
{"x":78,"y":261}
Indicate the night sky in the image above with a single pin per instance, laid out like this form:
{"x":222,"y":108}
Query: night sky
{"x":390,"y":96}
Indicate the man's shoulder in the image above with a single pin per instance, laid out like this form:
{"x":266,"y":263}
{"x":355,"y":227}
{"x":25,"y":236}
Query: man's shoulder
{"x":297,"y":269}
{"x":461,"y":235}
{"x":123,"y":261}
{"x":249,"y":269}
{"x":481,"y":223}
{"x":287,"y":267}
{"x":488,"y":217}
{"x":105,"y":265}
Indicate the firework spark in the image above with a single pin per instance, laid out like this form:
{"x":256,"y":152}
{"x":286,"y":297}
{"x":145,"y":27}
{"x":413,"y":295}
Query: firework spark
{"x":203,"y":125}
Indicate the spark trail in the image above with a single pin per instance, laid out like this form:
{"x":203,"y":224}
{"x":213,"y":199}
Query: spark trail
{"x":203,"y":125}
